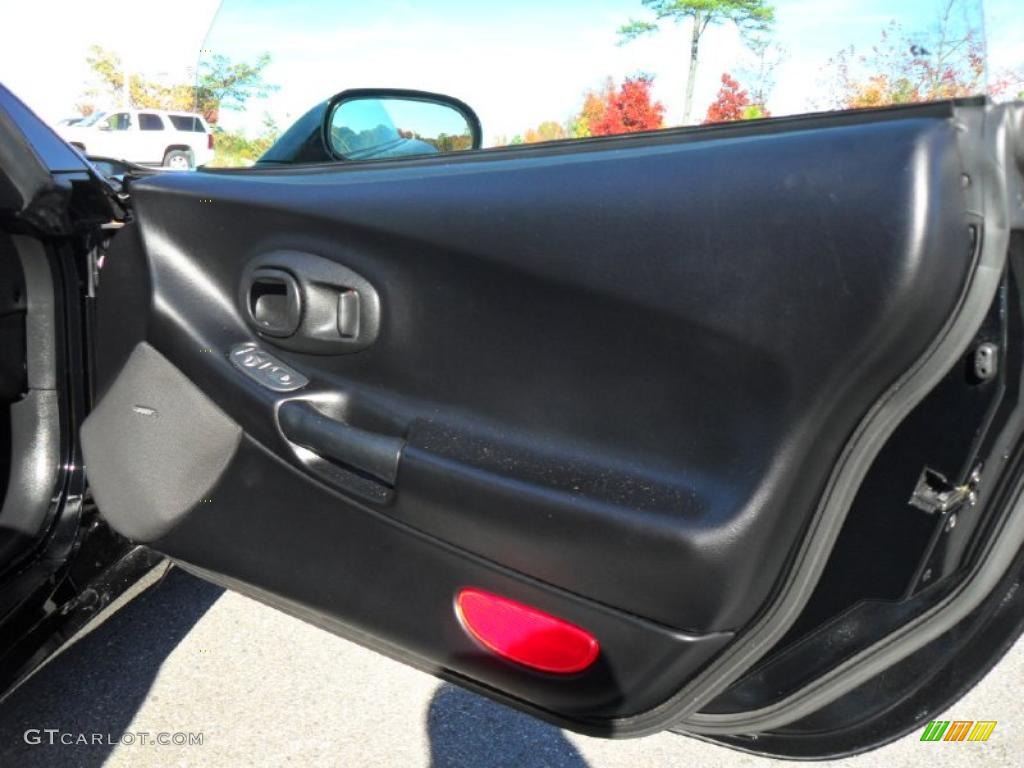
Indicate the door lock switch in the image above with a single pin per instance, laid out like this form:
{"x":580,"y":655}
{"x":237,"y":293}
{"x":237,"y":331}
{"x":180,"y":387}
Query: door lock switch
{"x":265,"y":369}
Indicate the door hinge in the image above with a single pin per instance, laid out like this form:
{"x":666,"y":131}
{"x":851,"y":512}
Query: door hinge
{"x":934,"y":493}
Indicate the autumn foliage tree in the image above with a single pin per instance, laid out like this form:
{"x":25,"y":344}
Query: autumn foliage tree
{"x":219,"y":83}
{"x":606,"y":111}
{"x":943,"y":62}
{"x":628,"y":109}
{"x":730,"y":102}
{"x":549,"y":130}
{"x":751,"y":18}
{"x":594,"y":104}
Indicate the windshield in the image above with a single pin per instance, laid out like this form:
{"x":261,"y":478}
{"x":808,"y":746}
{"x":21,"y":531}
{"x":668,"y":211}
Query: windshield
{"x":92,"y":119}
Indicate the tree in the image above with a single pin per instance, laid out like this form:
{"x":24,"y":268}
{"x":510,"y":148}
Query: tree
{"x":271,"y":131}
{"x":235,"y":149}
{"x":761,"y":75}
{"x":629,"y":109}
{"x":112,"y":84}
{"x":944,"y":62}
{"x":594,"y":102}
{"x":549,"y":130}
{"x":730,"y":104}
{"x":750,"y":16}
{"x":220,"y":83}
{"x":108,"y":74}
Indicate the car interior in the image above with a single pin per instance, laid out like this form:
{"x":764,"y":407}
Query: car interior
{"x":731,"y":415}
{"x":370,"y":387}
{"x":29,"y":409}
{"x":52,"y":214}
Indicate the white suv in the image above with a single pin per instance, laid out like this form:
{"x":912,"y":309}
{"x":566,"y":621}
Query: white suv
{"x":149,"y":136}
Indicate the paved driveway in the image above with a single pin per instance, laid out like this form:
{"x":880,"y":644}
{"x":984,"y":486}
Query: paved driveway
{"x":268,"y":690}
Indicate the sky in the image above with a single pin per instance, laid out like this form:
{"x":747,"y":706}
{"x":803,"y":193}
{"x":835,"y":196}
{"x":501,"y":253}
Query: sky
{"x":517,"y":64}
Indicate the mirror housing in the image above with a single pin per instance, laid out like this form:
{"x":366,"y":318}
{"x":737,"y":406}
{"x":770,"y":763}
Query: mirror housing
{"x":386,"y":123}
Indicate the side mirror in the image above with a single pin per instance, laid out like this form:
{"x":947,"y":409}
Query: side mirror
{"x":378,"y":124}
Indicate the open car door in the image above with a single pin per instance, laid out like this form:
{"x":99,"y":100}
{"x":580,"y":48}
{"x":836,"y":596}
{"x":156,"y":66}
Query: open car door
{"x":706,"y":429}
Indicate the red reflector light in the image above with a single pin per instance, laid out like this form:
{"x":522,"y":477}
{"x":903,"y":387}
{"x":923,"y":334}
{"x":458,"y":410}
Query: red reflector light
{"x":209,"y":141}
{"x":524,"y":634}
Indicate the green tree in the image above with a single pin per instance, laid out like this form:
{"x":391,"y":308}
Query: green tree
{"x":223,"y":84}
{"x":270,"y":129}
{"x":767,"y":56}
{"x":750,"y":16}
{"x":235,"y":150}
{"x":220,"y":83}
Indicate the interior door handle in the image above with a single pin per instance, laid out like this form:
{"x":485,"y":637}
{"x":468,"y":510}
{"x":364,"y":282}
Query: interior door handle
{"x":372,"y":453}
{"x":273,"y":302}
{"x":308,"y":303}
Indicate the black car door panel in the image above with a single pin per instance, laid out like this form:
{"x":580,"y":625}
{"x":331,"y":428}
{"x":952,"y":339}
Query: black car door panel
{"x":610,"y":381}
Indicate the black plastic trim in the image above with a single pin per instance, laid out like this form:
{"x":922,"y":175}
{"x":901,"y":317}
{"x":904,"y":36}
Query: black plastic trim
{"x":377,"y":455}
{"x":988,"y":146}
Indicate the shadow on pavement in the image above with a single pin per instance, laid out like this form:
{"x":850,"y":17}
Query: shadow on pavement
{"x":469,"y":731}
{"x":98,"y":684}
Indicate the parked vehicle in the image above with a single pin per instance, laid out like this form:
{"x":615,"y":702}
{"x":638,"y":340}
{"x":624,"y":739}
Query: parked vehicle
{"x":179,"y":140}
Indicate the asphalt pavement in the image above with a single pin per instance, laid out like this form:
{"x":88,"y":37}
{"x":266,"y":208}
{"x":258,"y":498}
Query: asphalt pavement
{"x":265,"y":689}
